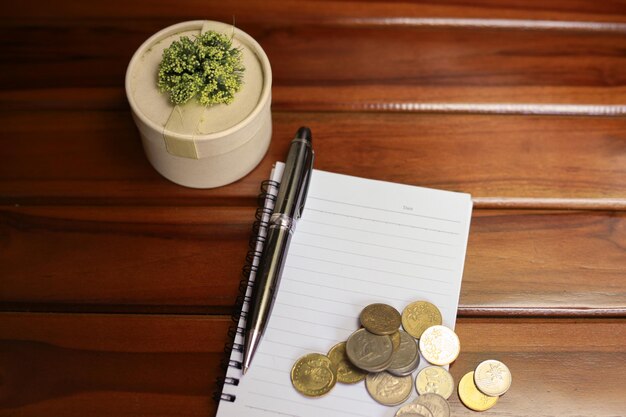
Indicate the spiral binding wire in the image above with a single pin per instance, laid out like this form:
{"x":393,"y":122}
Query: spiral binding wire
{"x":252,"y":257}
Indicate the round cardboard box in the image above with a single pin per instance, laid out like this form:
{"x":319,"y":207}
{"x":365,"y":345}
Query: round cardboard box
{"x":193,"y":145}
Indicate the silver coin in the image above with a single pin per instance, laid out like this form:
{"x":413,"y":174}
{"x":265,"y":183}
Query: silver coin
{"x":437,"y":405}
{"x":382,"y":367}
{"x":414,"y":408}
{"x":388,"y":389}
{"x":439,"y":345}
{"x":406,"y":357}
{"x":492,"y":378}
{"x":406,"y":371}
{"x":368,"y":351}
{"x":406,"y":352}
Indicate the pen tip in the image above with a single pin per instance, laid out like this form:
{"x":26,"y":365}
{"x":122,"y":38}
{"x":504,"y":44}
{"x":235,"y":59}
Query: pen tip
{"x":244,"y":369}
{"x":304,"y":133}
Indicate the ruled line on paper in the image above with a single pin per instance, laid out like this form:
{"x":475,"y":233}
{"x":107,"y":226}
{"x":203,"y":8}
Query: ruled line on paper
{"x":345,"y":290}
{"x":366,"y":268}
{"x":375,"y":245}
{"x":382,"y":221}
{"x":280,"y":344}
{"x":269,"y":381}
{"x":442,"y":308}
{"x":281,"y":384}
{"x":385,"y":210}
{"x":371,"y":257}
{"x":356,"y":229}
{"x":291,"y":332}
{"x":364,"y":280}
{"x":300,"y":402}
{"x":274,"y":412}
{"x":270,"y":368}
{"x":313,"y":309}
{"x":274,"y":355}
{"x":320,"y":298}
{"x":327,"y":326}
{"x":267,"y":410}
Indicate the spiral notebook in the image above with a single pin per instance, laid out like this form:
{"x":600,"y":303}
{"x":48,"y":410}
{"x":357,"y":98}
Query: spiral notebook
{"x":358,"y":242}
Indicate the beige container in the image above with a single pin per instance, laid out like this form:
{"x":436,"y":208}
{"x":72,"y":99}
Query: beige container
{"x":192,"y":145}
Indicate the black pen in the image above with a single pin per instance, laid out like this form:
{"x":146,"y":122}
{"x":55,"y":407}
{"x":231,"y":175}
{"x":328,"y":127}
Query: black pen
{"x":287,"y":210}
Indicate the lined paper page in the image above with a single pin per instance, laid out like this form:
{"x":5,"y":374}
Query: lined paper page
{"x":359,"y":242}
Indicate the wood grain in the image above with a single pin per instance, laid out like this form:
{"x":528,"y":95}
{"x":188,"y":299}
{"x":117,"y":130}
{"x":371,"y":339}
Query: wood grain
{"x":339,"y":62}
{"x":66,"y":365}
{"x":115,"y":284}
{"x":115,"y":257}
{"x":599,"y":101}
{"x":503,"y":157}
{"x":101,"y":365}
{"x":550,"y":255}
{"x":299,"y":11}
{"x":531,"y":100}
{"x":188,"y":259}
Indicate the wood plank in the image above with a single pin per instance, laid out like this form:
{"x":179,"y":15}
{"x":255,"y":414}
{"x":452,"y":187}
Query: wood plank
{"x":541,"y":158}
{"x":75,"y":365}
{"x":302,"y":11}
{"x":532,"y":100}
{"x":434,"y":56}
{"x":188,"y":259}
{"x":162,"y":259}
{"x":469,"y":64}
{"x":601,"y":101}
{"x":71,"y":365}
{"x":547,"y":260}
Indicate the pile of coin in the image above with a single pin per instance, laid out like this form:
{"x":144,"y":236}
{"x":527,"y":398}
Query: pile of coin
{"x":385,"y":357}
{"x":480,"y":389}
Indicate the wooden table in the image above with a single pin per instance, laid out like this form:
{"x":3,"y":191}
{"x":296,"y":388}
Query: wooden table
{"x":116,"y":285}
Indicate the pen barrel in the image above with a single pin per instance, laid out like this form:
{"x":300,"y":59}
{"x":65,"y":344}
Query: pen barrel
{"x":268,"y":276}
{"x":288,"y":208}
{"x":297,"y":167}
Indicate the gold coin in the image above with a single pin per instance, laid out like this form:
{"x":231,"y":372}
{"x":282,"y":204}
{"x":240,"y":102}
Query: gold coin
{"x":436,"y":380}
{"x":347,"y":373}
{"x":380,"y":319}
{"x":492,"y":377}
{"x":439,"y":345}
{"x":472,"y":397}
{"x":313,"y":375}
{"x":418,"y":316}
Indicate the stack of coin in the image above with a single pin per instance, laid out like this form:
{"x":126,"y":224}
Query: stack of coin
{"x":380,"y":351}
{"x":389,"y":355}
{"x":406,"y":358}
{"x":480,"y":389}
{"x":385,"y":357}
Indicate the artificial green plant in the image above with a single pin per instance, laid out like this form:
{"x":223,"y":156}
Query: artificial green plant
{"x":207,"y":67}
